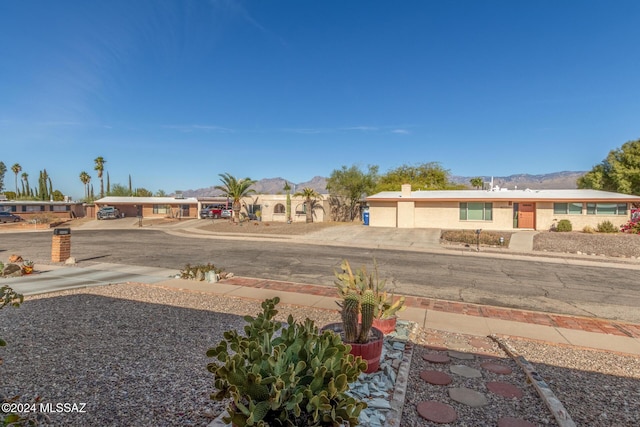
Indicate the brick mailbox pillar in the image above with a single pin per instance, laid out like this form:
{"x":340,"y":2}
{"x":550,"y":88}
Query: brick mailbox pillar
{"x":61,"y":245}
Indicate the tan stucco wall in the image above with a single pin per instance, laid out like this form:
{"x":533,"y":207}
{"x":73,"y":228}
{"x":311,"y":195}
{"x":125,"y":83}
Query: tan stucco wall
{"x":447,"y":215}
{"x":546,"y":218}
{"x":406,"y":214}
{"x":268,"y":203}
{"x":382,"y":214}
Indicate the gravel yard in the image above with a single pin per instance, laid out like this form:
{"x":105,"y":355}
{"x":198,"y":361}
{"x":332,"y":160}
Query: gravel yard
{"x":617,"y":245}
{"x":135,"y":354}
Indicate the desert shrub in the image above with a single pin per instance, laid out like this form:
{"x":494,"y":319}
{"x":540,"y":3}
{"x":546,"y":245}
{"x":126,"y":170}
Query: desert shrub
{"x":607,"y":227}
{"x":588,"y":229}
{"x":564,"y":225}
{"x":197,"y":272}
{"x":489,"y":238}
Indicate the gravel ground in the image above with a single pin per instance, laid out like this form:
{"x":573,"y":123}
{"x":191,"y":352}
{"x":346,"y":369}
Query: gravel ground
{"x":135,"y":354}
{"x":618,"y":245}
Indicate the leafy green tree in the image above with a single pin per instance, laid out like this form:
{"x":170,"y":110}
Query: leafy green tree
{"x":161,"y":193}
{"x":3,"y":170}
{"x":16,"y":168}
{"x":85,"y":178}
{"x":57,"y":196}
{"x":235,"y":189}
{"x":353,"y":185}
{"x":142,"y":192}
{"x":99,"y":167}
{"x":619,"y":172}
{"x":118,"y":190}
{"x":11,"y":195}
{"x":310,"y":196}
{"x":476,"y":183}
{"x":425,"y":176}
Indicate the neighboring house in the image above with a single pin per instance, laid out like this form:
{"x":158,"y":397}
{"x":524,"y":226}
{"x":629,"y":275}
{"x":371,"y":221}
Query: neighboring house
{"x":33,"y":209}
{"x":498,"y":209}
{"x":152,"y":207}
{"x":272,"y":207}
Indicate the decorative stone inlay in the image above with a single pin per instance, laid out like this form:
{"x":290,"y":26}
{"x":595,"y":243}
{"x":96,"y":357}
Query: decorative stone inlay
{"x":465,"y":371}
{"x":505,"y":390}
{"x":436,"y":358}
{"x":496,"y":368}
{"x":514,"y":422}
{"x":436,"y":377}
{"x":461,"y":356}
{"x":437,"y":412}
{"x":468,"y":397}
{"x":481,"y":343}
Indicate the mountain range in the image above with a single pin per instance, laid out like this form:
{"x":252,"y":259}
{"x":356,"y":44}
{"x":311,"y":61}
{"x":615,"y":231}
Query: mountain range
{"x":556,"y":180}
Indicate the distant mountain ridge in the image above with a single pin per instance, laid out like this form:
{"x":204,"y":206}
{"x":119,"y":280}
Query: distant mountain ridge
{"x":549,"y":181}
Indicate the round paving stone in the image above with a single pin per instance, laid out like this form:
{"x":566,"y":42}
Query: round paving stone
{"x":481,"y":343}
{"x":436,"y":358}
{"x":496,"y":368}
{"x":461,"y":356}
{"x":505,"y":390}
{"x":465,"y":371}
{"x":436,"y":377}
{"x":437,"y":412}
{"x":468,"y":397}
{"x":514,"y":422}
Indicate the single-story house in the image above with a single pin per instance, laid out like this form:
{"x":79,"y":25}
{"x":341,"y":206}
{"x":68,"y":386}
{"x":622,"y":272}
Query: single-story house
{"x":272,"y":207}
{"x":152,"y":207}
{"x":35,"y":209}
{"x":498,"y":209}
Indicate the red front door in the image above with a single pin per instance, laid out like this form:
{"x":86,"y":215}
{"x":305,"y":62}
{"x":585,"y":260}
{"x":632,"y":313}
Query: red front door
{"x":526,"y":215}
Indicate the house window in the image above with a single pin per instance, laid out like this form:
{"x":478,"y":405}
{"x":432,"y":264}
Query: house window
{"x":476,"y":211}
{"x":161,"y":209}
{"x":606,"y":208}
{"x":279,"y":208}
{"x":567,"y":208}
{"x":60,"y":208}
{"x":34,"y":208}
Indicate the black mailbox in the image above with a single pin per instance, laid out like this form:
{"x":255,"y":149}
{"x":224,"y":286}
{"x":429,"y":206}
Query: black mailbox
{"x":61,"y":231}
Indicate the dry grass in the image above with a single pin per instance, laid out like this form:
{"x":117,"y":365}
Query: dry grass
{"x":266,"y":227}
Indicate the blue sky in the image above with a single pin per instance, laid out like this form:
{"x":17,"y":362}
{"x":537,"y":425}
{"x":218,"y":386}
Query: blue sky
{"x":176,"y":92}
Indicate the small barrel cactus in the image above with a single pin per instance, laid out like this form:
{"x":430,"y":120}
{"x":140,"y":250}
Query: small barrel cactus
{"x":368,"y":305}
{"x":350,"y":309}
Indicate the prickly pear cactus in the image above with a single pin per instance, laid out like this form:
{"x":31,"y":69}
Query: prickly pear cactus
{"x":296,"y":377}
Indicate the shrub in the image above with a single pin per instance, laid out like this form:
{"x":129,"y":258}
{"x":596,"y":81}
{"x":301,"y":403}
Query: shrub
{"x":197,"y":272}
{"x":490,"y":238}
{"x":632,"y":227}
{"x":285,"y":375}
{"x":588,"y":229}
{"x":564,"y":225}
{"x":607,"y":227}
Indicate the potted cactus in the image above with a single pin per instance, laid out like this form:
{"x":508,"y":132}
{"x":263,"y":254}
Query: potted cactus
{"x":387,"y":306}
{"x":27,"y":266}
{"x":285,"y":375}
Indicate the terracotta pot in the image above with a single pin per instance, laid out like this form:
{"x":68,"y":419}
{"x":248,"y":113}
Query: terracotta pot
{"x":386,"y":325}
{"x":27,"y":269}
{"x":369,"y":351}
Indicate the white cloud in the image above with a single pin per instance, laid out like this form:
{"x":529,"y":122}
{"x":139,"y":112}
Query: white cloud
{"x":401,"y":131}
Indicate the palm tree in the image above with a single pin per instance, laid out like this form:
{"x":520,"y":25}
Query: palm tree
{"x":85,"y":178}
{"x":236,"y":189}
{"x":25,"y":180}
{"x":16,"y":168}
{"x":476,"y":182}
{"x":310,"y":195}
{"x":100,"y":161}
{"x":287,"y":188}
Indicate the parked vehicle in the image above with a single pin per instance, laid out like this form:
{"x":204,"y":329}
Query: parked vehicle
{"x":9,"y":217}
{"x":227,"y":213}
{"x":108,"y":212}
{"x":211,"y":211}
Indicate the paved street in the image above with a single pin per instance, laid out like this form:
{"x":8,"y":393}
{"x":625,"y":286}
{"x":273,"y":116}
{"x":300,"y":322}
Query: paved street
{"x":527,"y":283}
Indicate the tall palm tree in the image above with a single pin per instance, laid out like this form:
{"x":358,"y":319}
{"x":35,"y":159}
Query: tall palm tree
{"x":16,"y":168}
{"x":99,"y":167}
{"x":85,"y":178}
{"x":25,"y":180}
{"x":235,"y":189}
{"x":310,"y":195}
{"x":287,"y":188}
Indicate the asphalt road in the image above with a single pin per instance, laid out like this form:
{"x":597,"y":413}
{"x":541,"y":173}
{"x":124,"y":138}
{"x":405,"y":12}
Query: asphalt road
{"x":605,"y":292}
